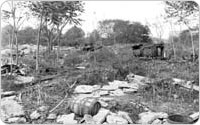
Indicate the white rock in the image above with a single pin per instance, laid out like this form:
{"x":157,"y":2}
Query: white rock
{"x":52,"y":116}
{"x":129,"y":90}
{"x":125,"y":116}
{"x":111,"y":119}
{"x":103,"y":103}
{"x":117,"y":92}
{"x":23,"y":79}
{"x":13,"y":97}
{"x":43,"y":108}
{"x":109,"y":87}
{"x":149,"y":117}
{"x":66,"y":119}
{"x":8,"y":93}
{"x":99,"y":93}
{"x":16,"y":120}
{"x":87,"y":119}
{"x":34,"y":115}
{"x":100,"y":117}
{"x":10,"y":108}
{"x":157,"y":121}
{"x":83,"y":89}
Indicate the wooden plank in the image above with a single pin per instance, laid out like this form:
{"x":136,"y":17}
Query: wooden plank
{"x":185,"y":84}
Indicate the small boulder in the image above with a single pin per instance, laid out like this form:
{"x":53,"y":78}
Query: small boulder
{"x":117,"y":92}
{"x":43,"y":108}
{"x":35,"y":115}
{"x":51,"y":116}
{"x":83,"y":89}
{"x":114,"y":119}
{"x":87,"y":119}
{"x":16,"y":120}
{"x":100,"y":117}
{"x":157,"y":121}
{"x":149,"y":117}
{"x":125,"y":116}
{"x":8,"y":93}
{"x":109,"y":87}
{"x":10,"y":108}
{"x":66,"y":119}
{"x":129,"y":90}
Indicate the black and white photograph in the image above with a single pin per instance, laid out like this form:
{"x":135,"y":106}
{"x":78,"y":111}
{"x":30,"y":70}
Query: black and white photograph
{"x":99,"y":62}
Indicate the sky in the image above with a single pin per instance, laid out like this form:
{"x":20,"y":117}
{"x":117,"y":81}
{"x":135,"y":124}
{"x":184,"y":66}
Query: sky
{"x":145,"y":12}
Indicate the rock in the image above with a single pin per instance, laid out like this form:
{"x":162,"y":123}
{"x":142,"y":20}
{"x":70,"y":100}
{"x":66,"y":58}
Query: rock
{"x":10,"y":108}
{"x":83,"y":89}
{"x":16,"y":120}
{"x":35,"y":115}
{"x":118,"y":83}
{"x":80,"y":67}
{"x":103,"y":104}
{"x":195,"y":115}
{"x":111,"y":119}
{"x":87,"y":119}
{"x":157,"y":121}
{"x":149,"y":117}
{"x":117,"y":92}
{"x":99,"y":93}
{"x":96,"y":87}
{"x":107,"y":99}
{"x":43,"y":108}
{"x":23,"y":79}
{"x":100,"y":117}
{"x":8,"y":93}
{"x":109,"y":87}
{"x":13,"y":97}
{"x":129,"y":90}
{"x":125,"y":116}
{"x":51,"y":116}
{"x":66,"y":119}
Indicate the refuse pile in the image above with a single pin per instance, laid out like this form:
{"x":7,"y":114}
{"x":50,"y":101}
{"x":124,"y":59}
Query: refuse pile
{"x":115,"y":88}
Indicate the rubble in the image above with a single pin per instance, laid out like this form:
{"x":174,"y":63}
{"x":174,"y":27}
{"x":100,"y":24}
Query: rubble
{"x":16,"y":120}
{"x":34,"y":115}
{"x":84,"y":89}
{"x":51,"y":116}
{"x":43,"y":108}
{"x":149,"y":117}
{"x":117,"y":92}
{"x":100,"y":117}
{"x":23,"y":79}
{"x":115,"y":119}
{"x":8,"y":93}
{"x":109,"y":87}
{"x":87,"y":119}
{"x":125,"y":116}
{"x":66,"y":119}
{"x":10,"y":108}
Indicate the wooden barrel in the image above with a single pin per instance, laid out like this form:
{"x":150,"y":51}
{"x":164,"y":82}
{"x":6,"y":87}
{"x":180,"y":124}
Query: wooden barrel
{"x":82,"y":106}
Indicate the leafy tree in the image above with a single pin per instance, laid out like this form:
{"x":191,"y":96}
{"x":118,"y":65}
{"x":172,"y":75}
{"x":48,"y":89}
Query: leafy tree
{"x":56,"y":14}
{"x":186,"y":12}
{"x":27,"y":35}
{"x":94,"y":36}
{"x":74,"y":36}
{"x":121,"y":31}
{"x":6,"y":35}
{"x":15,"y":15}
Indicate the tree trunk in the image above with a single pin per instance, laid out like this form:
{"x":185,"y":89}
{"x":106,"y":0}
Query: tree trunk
{"x":38,"y":45}
{"x":193,"y":51}
{"x":17,"y":51}
{"x":174,"y":49}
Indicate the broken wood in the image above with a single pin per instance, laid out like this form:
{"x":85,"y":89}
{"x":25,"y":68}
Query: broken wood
{"x":64,"y":97}
{"x":186,"y":84}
